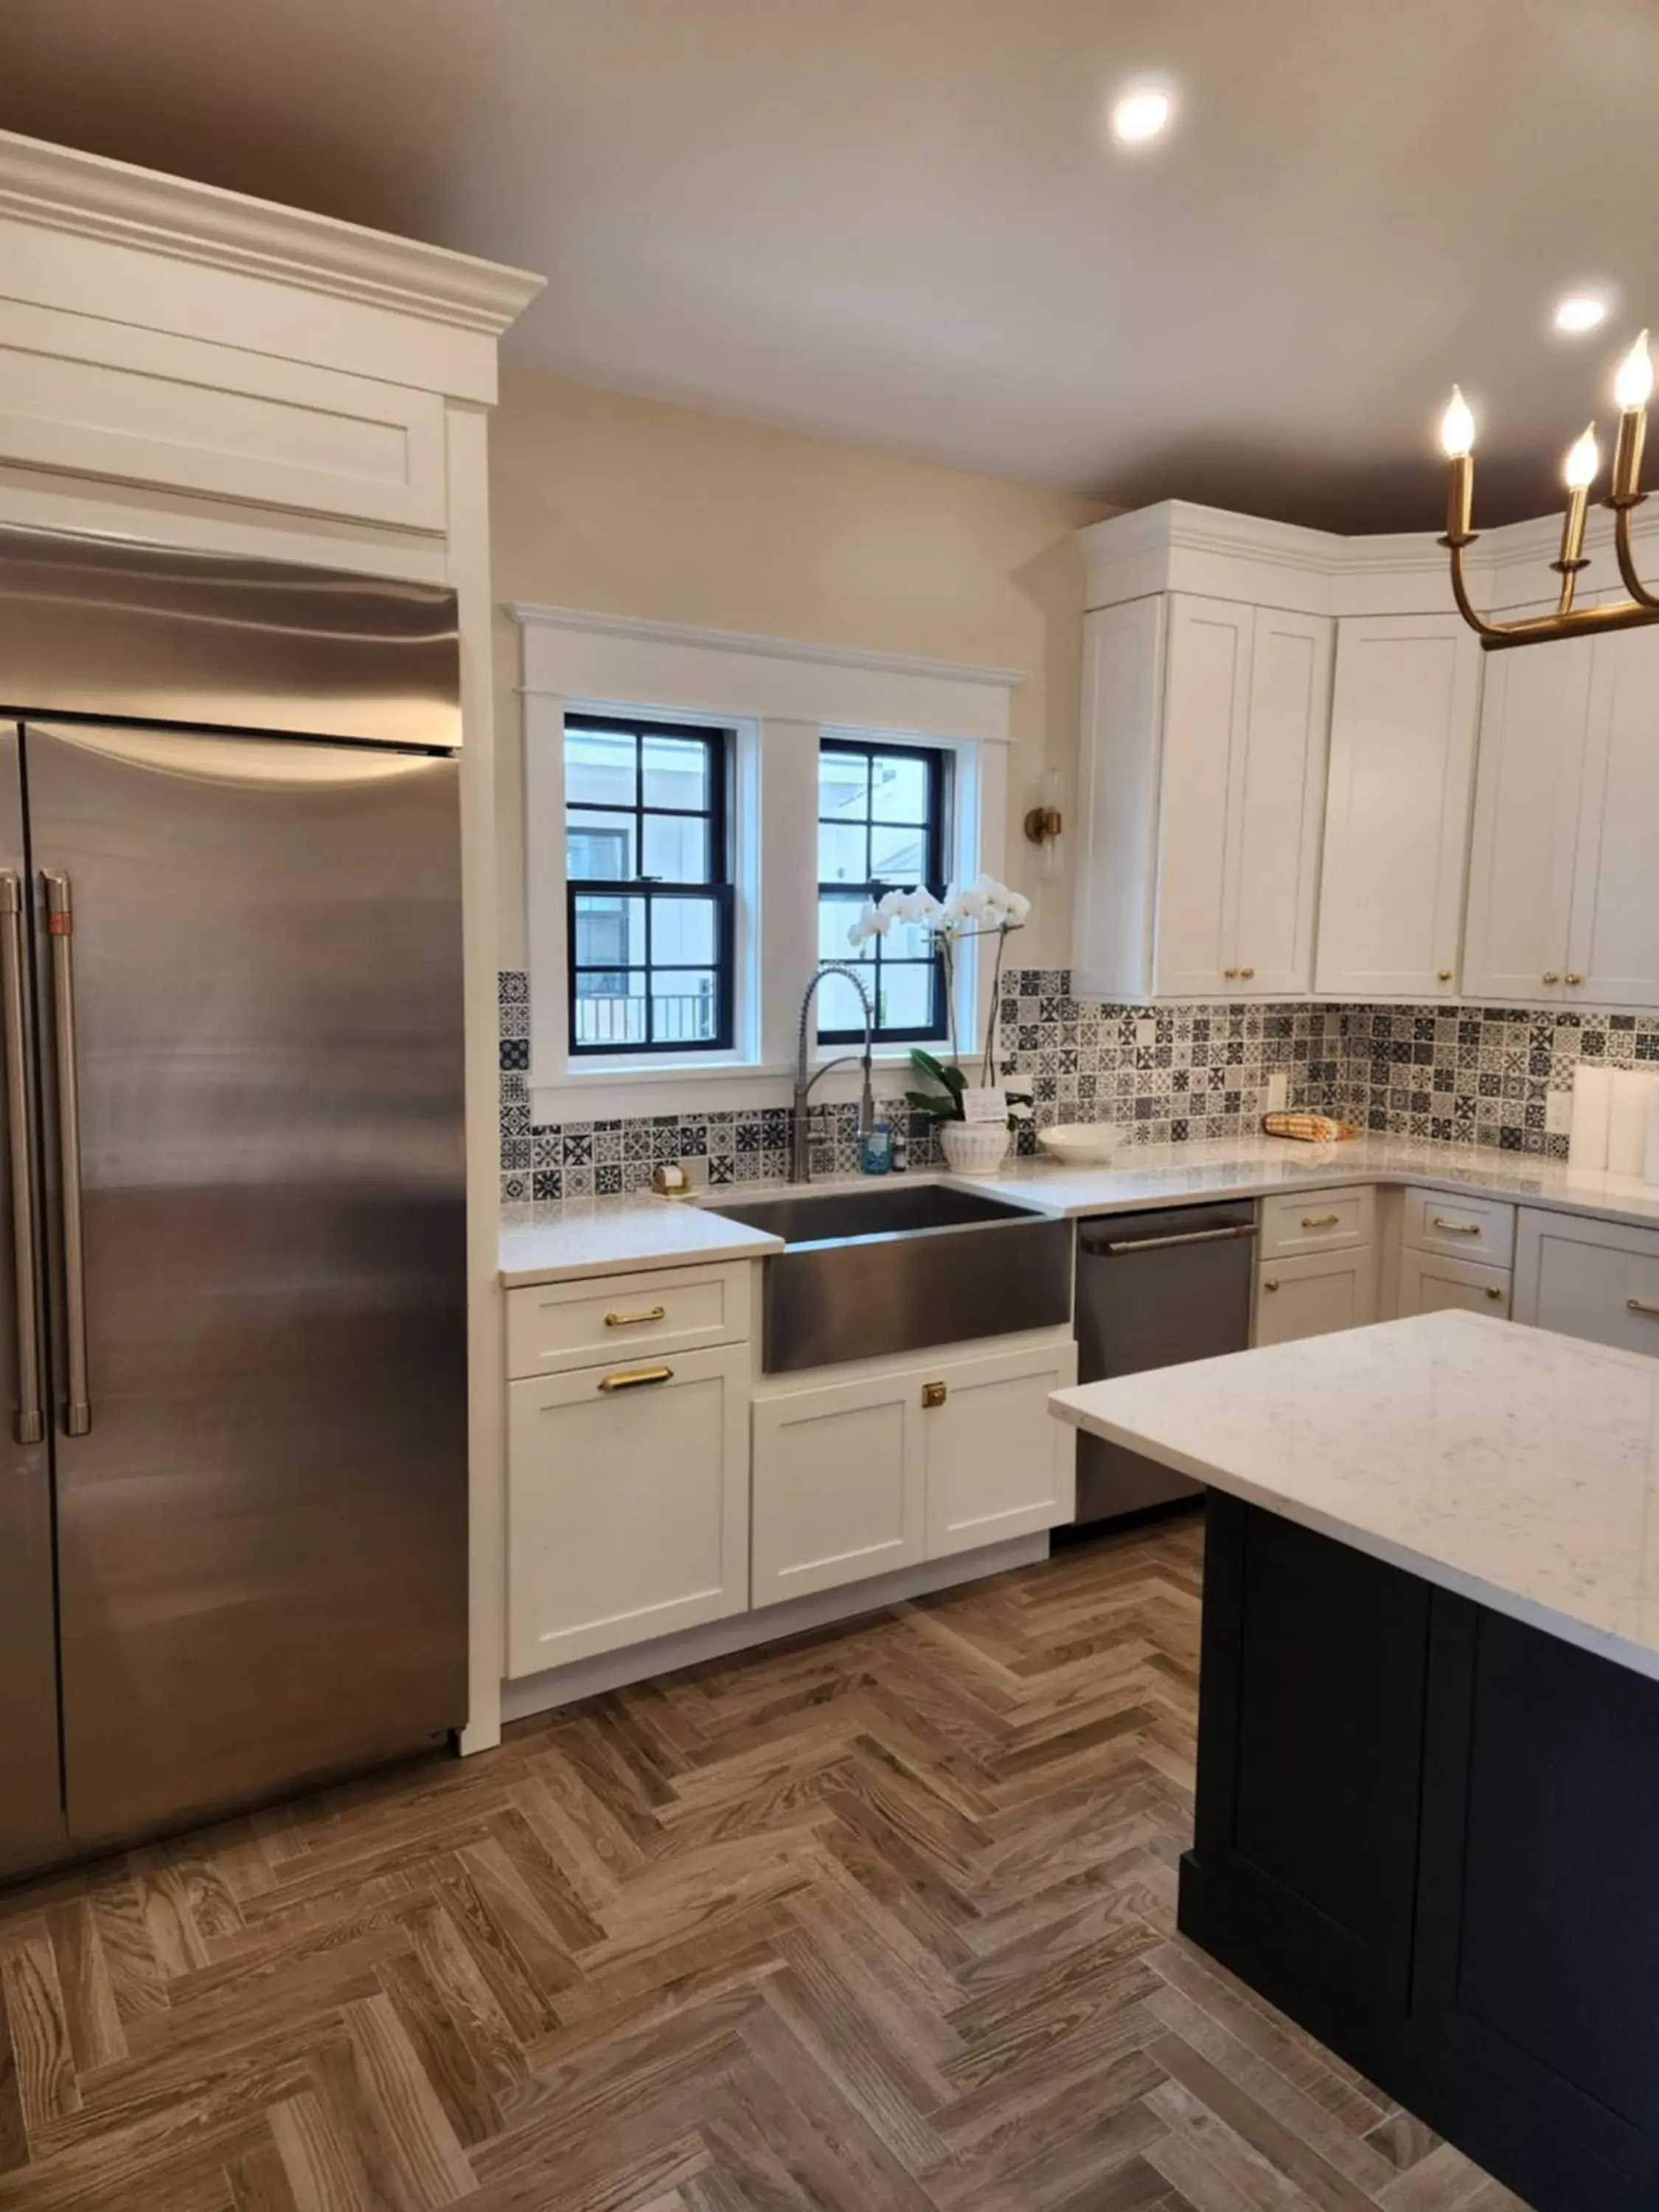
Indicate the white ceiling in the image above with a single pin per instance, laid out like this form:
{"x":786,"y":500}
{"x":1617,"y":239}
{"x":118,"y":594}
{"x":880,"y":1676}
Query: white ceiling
{"x":897,"y":221}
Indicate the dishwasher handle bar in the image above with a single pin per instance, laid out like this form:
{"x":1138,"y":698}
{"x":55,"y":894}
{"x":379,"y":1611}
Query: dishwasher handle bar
{"x":1117,"y":1246}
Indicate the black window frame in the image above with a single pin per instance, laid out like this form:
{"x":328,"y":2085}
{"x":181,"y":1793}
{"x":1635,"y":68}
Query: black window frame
{"x":717,"y":743}
{"x":937,"y":764}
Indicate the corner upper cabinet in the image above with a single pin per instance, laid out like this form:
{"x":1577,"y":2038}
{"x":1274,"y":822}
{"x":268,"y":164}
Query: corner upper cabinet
{"x":1566,"y":842}
{"x":1201,"y":786}
{"x":1404,"y":710}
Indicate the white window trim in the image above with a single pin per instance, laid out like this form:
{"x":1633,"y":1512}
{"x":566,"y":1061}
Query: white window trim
{"x":781,"y":698}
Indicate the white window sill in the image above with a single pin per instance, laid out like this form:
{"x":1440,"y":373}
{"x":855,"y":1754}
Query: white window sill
{"x":619,"y":1092}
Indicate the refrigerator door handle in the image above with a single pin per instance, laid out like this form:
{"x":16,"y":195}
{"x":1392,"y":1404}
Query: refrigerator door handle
{"x":60,"y":928}
{"x":28,"y":1424}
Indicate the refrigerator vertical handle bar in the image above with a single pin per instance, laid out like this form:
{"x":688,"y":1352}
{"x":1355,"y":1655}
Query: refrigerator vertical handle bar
{"x":28,"y":1424}
{"x":60,"y":928}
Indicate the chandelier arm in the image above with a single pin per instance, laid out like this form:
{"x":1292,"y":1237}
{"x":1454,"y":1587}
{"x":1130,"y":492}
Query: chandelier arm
{"x":1465,"y":607}
{"x":1626,"y":553}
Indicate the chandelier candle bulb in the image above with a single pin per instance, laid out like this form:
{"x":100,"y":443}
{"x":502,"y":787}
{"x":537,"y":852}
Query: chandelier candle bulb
{"x":1632,"y":388}
{"x":1458,"y":442}
{"x":1582,"y":461}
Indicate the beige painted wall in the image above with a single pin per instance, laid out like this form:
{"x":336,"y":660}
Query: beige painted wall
{"x":625,"y":506}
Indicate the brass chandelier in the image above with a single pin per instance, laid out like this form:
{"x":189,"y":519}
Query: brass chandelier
{"x":1632,"y":387}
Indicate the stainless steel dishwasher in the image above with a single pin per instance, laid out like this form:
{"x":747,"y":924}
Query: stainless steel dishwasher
{"x":1154,"y":1289}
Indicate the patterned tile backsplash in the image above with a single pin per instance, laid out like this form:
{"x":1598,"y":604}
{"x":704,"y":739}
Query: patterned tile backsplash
{"x":1164,"y":1074}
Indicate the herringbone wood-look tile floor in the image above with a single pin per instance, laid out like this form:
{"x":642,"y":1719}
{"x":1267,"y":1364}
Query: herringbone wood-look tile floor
{"x":880,"y":1921}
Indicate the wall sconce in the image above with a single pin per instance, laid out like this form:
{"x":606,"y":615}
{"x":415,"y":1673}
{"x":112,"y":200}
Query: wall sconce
{"x":1044,"y":825}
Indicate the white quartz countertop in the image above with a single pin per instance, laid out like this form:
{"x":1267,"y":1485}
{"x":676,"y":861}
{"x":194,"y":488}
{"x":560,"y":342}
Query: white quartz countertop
{"x":605,"y":1237}
{"x":555,"y":1241}
{"x":1517,"y":1467}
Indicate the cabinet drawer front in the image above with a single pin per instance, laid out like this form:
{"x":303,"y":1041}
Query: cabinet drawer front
{"x":1430,"y":1283}
{"x":555,"y":1325}
{"x":1590,"y":1279}
{"x":628,"y":1508}
{"x":1316,"y":1221}
{"x":1459,"y":1228}
{"x":1312,"y":1295}
{"x":143,"y":406}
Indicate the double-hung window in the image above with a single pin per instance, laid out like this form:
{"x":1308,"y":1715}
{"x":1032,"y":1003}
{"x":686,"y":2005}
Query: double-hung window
{"x":881,"y":812}
{"x":648,"y":867}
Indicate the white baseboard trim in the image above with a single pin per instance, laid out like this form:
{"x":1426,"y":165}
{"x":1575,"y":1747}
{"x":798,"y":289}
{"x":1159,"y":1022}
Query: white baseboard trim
{"x":611,"y":1671}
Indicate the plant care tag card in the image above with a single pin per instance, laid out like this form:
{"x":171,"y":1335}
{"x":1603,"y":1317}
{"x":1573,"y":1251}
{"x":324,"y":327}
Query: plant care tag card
{"x":989,"y":1103}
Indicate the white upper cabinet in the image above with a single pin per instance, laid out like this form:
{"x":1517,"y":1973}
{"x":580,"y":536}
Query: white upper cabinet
{"x":1562,"y":904}
{"x":1274,"y":864}
{"x":1201,"y":784}
{"x":1533,"y":722}
{"x":1205,"y":714}
{"x":1403,"y":717}
{"x":1612,"y":939}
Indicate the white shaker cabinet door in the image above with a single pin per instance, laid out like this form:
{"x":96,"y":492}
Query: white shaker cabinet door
{"x":1613,"y":950}
{"x":1207,"y":707}
{"x":1312,"y":1296}
{"x":1598,"y":1279}
{"x":839,"y":1485}
{"x":1273,"y":871}
{"x":1430,"y":1283}
{"x":1403,"y":717}
{"x":999,"y":1464}
{"x":1534,"y":722}
{"x":628,"y":1508}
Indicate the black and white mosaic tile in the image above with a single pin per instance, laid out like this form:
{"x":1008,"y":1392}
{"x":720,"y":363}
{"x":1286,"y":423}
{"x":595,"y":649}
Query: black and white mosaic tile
{"x":1462,"y":1074}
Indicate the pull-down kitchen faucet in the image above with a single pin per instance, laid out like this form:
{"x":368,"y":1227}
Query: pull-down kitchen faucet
{"x":800,"y":1151}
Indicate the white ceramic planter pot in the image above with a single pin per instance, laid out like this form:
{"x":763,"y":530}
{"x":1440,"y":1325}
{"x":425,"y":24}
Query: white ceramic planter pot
{"x":974,"y":1147}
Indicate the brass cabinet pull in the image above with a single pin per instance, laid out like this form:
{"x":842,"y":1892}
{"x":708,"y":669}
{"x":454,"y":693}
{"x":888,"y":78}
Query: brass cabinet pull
{"x":635,"y":1319}
{"x":1494,"y":1290}
{"x":934,"y":1394}
{"x":1455,"y":1228}
{"x":1271,"y":1284}
{"x":1248,"y":974}
{"x":636,"y":1378}
{"x":1572,"y":978}
{"x":1550,"y":975}
{"x":1321,"y":1220}
{"x":1231,"y":974}
{"x":1642,"y":1306}
{"x":1445,"y":975}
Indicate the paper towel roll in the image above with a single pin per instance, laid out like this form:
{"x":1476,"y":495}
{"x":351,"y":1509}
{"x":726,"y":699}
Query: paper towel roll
{"x":1592,"y":1111}
{"x":1651,"y":1164}
{"x":1627,"y":1122}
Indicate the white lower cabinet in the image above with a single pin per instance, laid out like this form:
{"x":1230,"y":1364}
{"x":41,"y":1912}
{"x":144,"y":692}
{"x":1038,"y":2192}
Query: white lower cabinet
{"x":840,"y":1486}
{"x":879,"y":1470}
{"x":999,"y":1464}
{"x":1598,"y":1279}
{"x":1311,"y":1295}
{"x":1430,"y":1283}
{"x":627,"y":1505}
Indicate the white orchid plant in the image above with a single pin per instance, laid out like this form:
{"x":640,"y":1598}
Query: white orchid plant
{"x":984,"y":908}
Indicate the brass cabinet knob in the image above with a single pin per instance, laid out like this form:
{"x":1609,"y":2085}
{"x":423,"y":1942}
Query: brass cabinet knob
{"x":1550,"y":975}
{"x":1248,"y":974}
{"x":1271,"y":1283}
{"x":1229,"y":973}
{"x":1572,"y":978}
{"x":1445,"y":975}
{"x":1494,"y":1290}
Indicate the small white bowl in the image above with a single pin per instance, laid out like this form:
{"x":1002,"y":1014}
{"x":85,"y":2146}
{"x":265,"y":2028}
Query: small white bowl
{"x":1081,"y":1144}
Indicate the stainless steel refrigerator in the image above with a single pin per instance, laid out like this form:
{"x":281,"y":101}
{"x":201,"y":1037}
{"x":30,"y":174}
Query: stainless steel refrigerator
{"x":233,"y":1480}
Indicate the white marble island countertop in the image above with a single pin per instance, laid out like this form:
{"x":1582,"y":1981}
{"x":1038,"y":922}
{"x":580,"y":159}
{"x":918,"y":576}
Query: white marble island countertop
{"x":1516,"y":1467}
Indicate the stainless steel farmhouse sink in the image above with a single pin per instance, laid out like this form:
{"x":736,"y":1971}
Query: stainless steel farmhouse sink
{"x":864,"y":1272}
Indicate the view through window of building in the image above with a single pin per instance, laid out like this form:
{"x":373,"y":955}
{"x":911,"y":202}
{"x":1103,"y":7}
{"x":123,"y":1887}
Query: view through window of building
{"x":647,"y":844}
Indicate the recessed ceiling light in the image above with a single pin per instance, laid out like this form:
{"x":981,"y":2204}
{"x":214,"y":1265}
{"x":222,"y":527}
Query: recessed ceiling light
{"x":1580,"y":311}
{"x":1140,"y":115}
